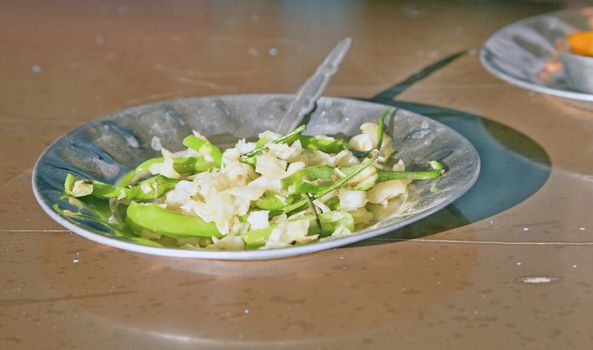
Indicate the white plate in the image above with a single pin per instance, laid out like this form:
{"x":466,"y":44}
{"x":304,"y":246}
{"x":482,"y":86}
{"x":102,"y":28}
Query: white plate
{"x":525,"y":53}
{"x":106,"y":148}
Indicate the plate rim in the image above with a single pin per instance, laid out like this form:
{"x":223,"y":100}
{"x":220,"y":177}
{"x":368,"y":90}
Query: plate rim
{"x":244,"y":255}
{"x":567,"y":94}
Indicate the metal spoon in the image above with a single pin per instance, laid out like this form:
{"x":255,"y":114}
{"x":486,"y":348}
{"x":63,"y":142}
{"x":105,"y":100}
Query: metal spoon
{"x":308,"y":94}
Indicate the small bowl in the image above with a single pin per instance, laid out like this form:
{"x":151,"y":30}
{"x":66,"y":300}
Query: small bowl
{"x":578,"y":71}
{"x":108,"y":147}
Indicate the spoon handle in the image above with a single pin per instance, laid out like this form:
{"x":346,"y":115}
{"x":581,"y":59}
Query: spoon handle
{"x":311,"y":90}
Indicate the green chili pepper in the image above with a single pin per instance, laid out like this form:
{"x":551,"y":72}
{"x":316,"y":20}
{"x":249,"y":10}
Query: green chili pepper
{"x":314,"y":210}
{"x":341,"y":182}
{"x":187,"y":165}
{"x":282,"y":139}
{"x":381,"y":128}
{"x":155,"y":219}
{"x":327,"y":145}
{"x":329,"y":222}
{"x":386,"y":175}
{"x":310,"y":187}
{"x":204,"y":147}
{"x":312,"y":179}
{"x":368,"y":182}
{"x":138,"y":173}
{"x":380,"y":131}
{"x":333,"y":203}
{"x":151,"y":188}
{"x":311,"y":173}
{"x":193,"y":165}
{"x":272,"y":201}
{"x":258,"y":237}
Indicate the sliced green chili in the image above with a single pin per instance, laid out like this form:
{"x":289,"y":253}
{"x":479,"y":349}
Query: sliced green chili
{"x":386,"y":175}
{"x":380,"y":131}
{"x":151,"y":188}
{"x":341,"y":182}
{"x":314,"y":210}
{"x":311,"y":173}
{"x":282,"y":139}
{"x":381,"y":128}
{"x":186,"y":165}
{"x":258,"y":237}
{"x":327,"y":145}
{"x":272,"y":201}
{"x":138,"y":173}
{"x":310,"y":187}
{"x":329,"y":222}
{"x":152,"y":218}
{"x":204,"y":147}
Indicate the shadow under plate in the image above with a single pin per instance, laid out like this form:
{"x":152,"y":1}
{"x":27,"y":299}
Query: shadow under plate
{"x":513,"y":167}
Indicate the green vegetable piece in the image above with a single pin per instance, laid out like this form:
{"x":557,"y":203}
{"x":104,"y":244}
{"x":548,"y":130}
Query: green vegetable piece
{"x":314,"y":210}
{"x":309,"y":187}
{"x":330,"y":221}
{"x":261,"y":142}
{"x":380,"y":131}
{"x":258,"y":237}
{"x":381,"y":128}
{"x":327,"y":145}
{"x":152,"y":218}
{"x":82,"y":188}
{"x":146,"y":242}
{"x":75,"y":188}
{"x":282,"y":139}
{"x":151,"y":188}
{"x":386,"y":175}
{"x":272,"y":201}
{"x":193,"y":165}
{"x":333,"y":203}
{"x":138,"y":173}
{"x":341,"y":182}
{"x":321,"y":172}
{"x":204,"y":147}
{"x":103,"y":190}
{"x":368,"y":182}
{"x":189,"y":165}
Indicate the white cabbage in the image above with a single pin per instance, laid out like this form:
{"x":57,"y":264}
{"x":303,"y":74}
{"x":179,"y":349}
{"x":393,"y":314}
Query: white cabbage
{"x":351,"y":200}
{"x":181,"y":194}
{"x":361,"y":216}
{"x":345,"y":158}
{"x":270,"y":167}
{"x":269,"y":135}
{"x":227,"y":243}
{"x":288,"y":232}
{"x":284,"y":151}
{"x":258,"y":219}
{"x":292,"y":167}
{"x":273,"y":185}
{"x":384,"y":191}
{"x":244,"y":147}
{"x":165,"y":168}
{"x":369,"y":138}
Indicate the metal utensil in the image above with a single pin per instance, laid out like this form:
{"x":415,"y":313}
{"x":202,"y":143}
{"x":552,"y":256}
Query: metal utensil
{"x":308,"y":94}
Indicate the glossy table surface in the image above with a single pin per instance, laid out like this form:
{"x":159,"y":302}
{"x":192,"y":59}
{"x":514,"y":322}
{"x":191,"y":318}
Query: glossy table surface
{"x":509,"y":265}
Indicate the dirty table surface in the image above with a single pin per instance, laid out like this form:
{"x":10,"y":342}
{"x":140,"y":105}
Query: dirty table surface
{"x":508,"y":265}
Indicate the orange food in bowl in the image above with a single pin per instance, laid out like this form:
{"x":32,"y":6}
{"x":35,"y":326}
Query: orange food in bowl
{"x":581,"y":43}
